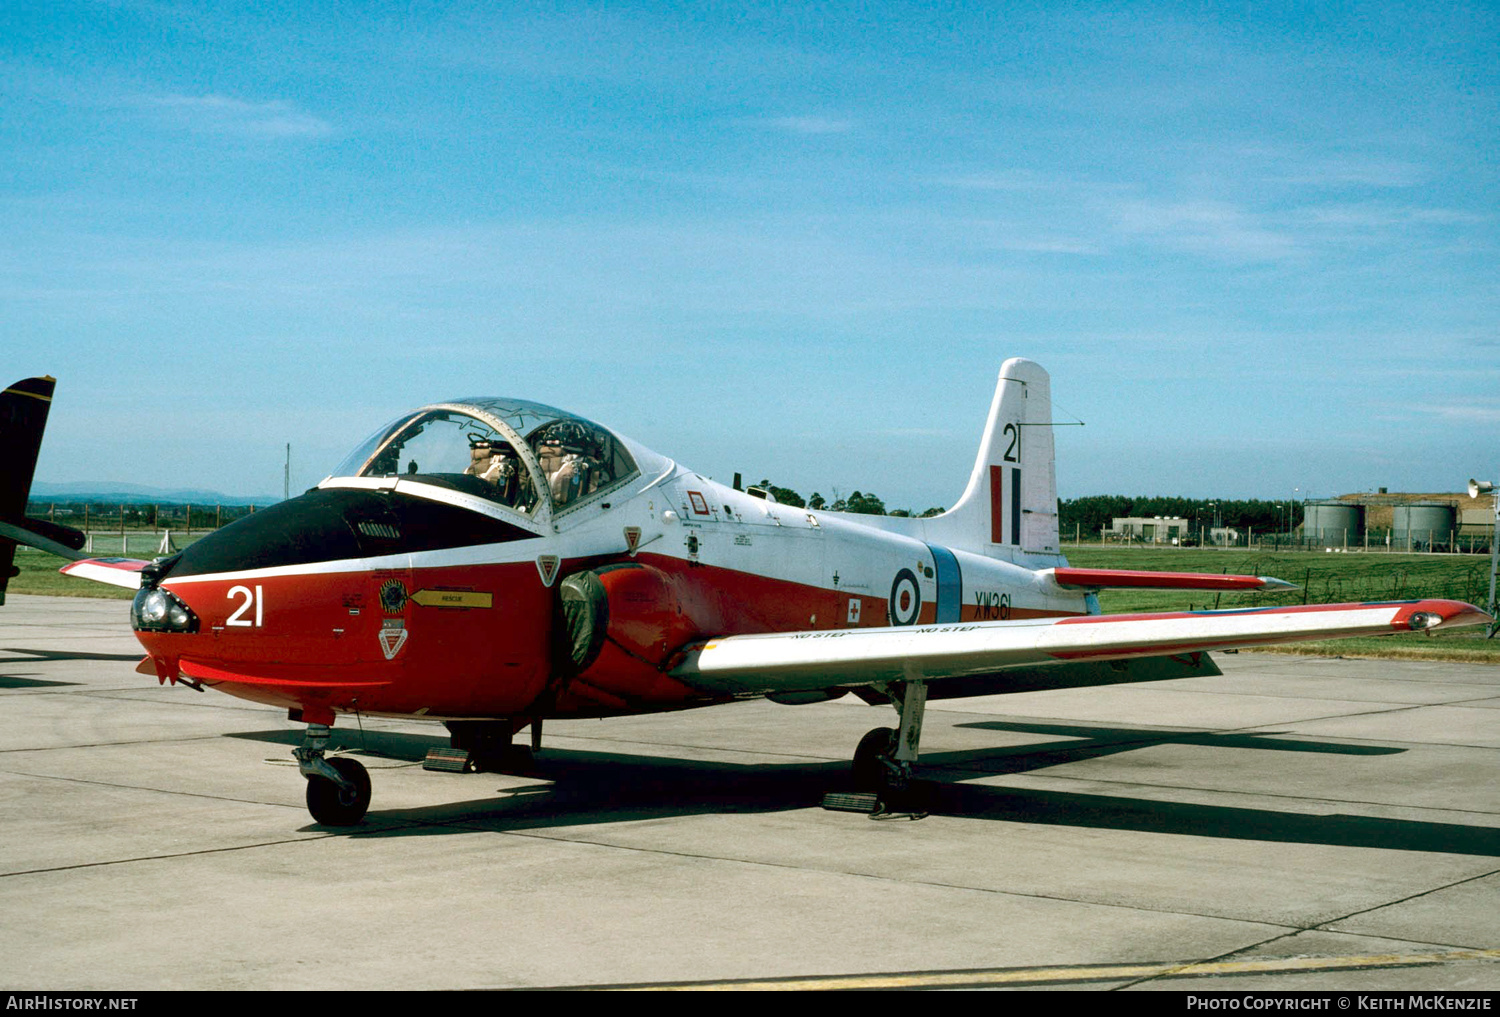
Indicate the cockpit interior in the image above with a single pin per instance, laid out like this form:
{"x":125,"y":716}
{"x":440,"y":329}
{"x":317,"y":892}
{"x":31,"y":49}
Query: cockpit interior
{"x":513,"y":453}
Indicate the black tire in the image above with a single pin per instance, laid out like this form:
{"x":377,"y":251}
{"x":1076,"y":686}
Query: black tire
{"x":332,"y":805}
{"x":868,"y":771}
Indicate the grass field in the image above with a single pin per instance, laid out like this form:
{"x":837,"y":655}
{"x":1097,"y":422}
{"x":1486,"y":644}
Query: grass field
{"x":1321,"y":578}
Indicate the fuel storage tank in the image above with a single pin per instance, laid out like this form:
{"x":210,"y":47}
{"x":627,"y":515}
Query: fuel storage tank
{"x":1331,"y":522}
{"x":1423,"y":523}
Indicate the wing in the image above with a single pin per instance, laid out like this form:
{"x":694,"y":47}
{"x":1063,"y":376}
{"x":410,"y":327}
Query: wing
{"x":798,"y":661}
{"x":1124,"y":579}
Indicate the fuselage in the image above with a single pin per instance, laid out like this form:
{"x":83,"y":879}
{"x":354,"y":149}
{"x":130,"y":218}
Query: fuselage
{"x":427,"y":594}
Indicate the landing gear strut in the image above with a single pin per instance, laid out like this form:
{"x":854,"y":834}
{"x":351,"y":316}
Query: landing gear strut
{"x":338,"y":789}
{"x":882,"y":762}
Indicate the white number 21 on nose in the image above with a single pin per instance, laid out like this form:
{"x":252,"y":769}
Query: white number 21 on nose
{"x":252,"y":598}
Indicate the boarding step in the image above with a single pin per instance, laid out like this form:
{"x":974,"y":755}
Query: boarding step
{"x":450,"y":761}
{"x":844,"y":801}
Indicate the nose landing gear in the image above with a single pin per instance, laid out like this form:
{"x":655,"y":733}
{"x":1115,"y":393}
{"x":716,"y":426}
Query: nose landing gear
{"x":338,"y":789}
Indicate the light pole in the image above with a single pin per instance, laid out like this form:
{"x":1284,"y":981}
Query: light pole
{"x":1476,"y":488}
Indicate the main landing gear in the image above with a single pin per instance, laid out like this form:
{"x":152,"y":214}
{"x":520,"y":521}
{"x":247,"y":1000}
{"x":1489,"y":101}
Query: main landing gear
{"x":338,"y":789}
{"x":882,"y":762}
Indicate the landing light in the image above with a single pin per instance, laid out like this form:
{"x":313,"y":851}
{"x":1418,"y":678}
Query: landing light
{"x":158,"y":610}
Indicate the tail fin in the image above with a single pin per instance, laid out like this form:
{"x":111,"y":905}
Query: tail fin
{"x":1009,"y":509}
{"x":23,"y":418}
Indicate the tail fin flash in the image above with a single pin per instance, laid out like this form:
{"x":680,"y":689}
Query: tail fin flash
{"x":23,"y":417}
{"x":1009,"y":509}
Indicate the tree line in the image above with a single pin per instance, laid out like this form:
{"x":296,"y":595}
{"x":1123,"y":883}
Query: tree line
{"x":1091,"y":513}
{"x":102,"y":515}
{"x":868,"y":504}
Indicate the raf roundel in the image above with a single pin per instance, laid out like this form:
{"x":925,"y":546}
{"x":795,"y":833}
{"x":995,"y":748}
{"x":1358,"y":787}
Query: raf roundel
{"x":906,"y":599}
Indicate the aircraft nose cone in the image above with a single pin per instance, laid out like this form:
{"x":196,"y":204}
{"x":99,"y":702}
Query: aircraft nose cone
{"x":311,"y":527}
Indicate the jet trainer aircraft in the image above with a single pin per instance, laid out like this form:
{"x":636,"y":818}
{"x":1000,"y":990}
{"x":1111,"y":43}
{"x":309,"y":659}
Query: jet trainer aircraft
{"x":491,"y":563}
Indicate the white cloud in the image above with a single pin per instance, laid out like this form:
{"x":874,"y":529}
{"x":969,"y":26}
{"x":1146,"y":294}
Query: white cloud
{"x":1204,"y":227}
{"x":812,"y":125}
{"x":1465,"y":414}
{"x":220,"y":114}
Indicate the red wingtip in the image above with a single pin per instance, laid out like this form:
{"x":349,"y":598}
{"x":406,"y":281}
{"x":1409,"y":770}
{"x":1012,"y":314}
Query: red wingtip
{"x":1439,"y":614}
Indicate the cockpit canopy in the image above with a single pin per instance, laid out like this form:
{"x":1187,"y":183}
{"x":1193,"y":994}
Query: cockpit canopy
{"x":508,"y":451}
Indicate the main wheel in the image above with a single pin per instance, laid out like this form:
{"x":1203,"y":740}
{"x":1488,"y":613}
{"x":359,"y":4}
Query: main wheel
{"x":332,"y":805}
{"x":868,"y":770}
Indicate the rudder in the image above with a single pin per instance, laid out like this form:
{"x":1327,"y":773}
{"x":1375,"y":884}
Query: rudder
{"x":1009,"y":508}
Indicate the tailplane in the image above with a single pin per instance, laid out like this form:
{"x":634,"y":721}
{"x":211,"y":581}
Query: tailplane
{"x":23,"y":418}
{"x":1009,"y":509}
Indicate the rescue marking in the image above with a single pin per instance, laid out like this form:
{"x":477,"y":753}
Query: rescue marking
{"x":452,"y":598}
{"x":632,"y":539}
{"x":700,"y":506}
{"x":854,"y":603}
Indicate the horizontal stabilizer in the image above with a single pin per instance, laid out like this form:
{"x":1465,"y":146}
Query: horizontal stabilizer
{"x":67,"y":536}
{"x":23,"y":418}
{"x":124,"y":572}
{"x":1123,"y":579}
{"x":31,"y":538}
{"x":789,"y":662}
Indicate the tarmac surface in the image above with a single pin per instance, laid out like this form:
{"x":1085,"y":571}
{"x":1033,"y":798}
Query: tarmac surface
{"x":1299,"y":823}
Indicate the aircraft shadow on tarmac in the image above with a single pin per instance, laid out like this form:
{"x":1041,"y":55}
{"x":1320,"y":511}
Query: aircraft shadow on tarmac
{"x":49,"y":655}
{"x":599,"y":787}
{"x":20,"y":681}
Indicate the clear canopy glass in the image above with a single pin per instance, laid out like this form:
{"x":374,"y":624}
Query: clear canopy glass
{"x":508,"y":451}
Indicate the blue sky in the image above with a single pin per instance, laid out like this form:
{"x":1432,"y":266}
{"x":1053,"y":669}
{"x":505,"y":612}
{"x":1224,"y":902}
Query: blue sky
{"x":1256,"y":245}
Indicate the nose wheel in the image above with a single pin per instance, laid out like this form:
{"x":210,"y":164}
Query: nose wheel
{"x":338,"y":789}
{"x":343,"y":803}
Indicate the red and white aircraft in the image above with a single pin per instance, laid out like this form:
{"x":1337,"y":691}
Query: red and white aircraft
{"x":490,"y":563}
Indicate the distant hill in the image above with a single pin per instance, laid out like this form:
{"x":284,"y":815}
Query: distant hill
{"x":115,"y":493}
